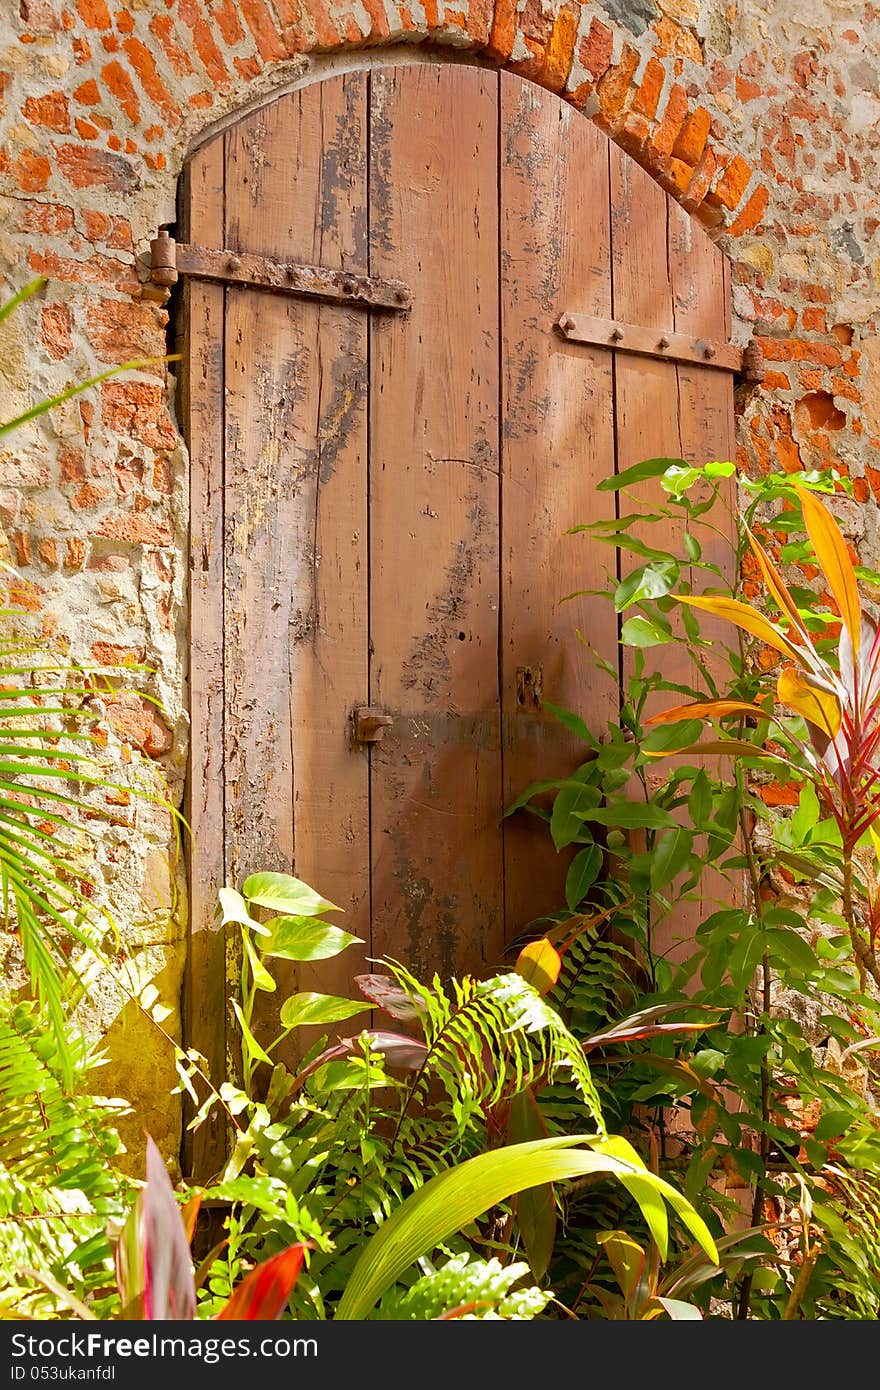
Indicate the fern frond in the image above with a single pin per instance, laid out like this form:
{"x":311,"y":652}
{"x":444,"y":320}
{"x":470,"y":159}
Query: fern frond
{"x":490,"y":1040}
{"x":58,"y":1179}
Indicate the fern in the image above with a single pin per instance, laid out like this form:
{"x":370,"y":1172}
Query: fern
{"x":490,"y":1040}
{"x":58,"y":1179}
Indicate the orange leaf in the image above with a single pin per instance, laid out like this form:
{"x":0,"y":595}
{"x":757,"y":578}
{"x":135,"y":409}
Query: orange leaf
{"x":778,"y":587}
{"x":837,"y":567}
{"x":818,"y":707}
{"x":539,"y":963}
{"x":745,"y":617}
{"x":189,"y":1214}
{"x":706,"y":709}
{"x":262,"y":1295}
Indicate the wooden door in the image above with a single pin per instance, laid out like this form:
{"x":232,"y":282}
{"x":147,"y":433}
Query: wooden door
{"x":379,"y":498}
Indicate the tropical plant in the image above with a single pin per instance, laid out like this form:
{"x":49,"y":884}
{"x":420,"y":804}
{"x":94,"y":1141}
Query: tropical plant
{"x":379,"y":1149}
{"x":60,"y":1180}
{"x":642,"y":847}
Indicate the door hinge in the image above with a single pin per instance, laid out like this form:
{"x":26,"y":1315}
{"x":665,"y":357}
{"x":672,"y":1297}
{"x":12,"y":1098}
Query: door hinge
{"x":654,"y":342}
{"x":170,"y":259}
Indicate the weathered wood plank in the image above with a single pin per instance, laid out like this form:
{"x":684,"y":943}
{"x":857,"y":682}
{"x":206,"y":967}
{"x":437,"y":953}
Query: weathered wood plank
{"x":557,"y":444}
{"x":436,"y":776}
{"x":296,"y":639}
{"x":701,"y":305}
{"x":205,"y":991}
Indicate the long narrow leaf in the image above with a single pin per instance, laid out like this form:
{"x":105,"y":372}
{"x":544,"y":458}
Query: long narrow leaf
{"x":453,"y":1199}
{"x":836,"y":565}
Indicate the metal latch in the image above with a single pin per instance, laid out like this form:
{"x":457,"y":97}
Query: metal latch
{"x":370,"y":723}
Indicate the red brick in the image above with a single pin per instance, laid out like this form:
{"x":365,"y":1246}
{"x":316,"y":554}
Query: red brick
{"x":50,"y":110}
{"x":261,"y":25}
{"x":88,"y":497}
{"x":614,"y":87}
{"x":115,"y":654}
{"x":94,"y":14}
{"x":162,"y":479}
{"x":673,"y":118}
{"x":594,"y":52}
{"x":732,"y":184}
{"x":21,"y":544}
{"x":752,"y":213}
{"x":204,"y":41}
{"x":746,"y":90}
{"x":701,"y":180}
{"x":47,"y":549}
{"x":99,"y":270}
{"x":648,"y":95}
{"x":137,"y":529}
{"x":50,"y":219}
{"x":560,"y":50}
{"x":122,"y":88}
{"x":776,"y":381}
{"x":72,"y":466}
{"x":87,"y":93}
{"x":137,"y":408}
{"x":119,"y":330}
{"x":32,"y":171}
{"x":55,"y":328}
{"x":228,"y":22}
{"x":85,"y":167}
{"x":162,"y":27}
{"x":677,"y":175}
{"x":633,"y":133}
{"x":144,"y":64}
{"x":691,"y":139}
{"x":85,"y":130}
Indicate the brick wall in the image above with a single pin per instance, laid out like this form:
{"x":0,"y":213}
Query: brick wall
{"x":762,"y":124}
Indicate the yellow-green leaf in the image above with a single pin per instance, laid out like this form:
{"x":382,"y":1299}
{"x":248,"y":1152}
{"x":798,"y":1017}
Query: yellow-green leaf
{"x":818,"y":707}
{"x":749,"y":619}
{"x":833,"y":557}
{"x":539,"y":963}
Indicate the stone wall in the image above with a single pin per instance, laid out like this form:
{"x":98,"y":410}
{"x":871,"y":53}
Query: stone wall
{"x":762,"y":124}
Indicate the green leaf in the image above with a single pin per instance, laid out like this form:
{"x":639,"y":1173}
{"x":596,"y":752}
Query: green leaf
{"x":233,"y":908}
{"x":252,"y":1047}
{"x":666,"y":738}
{"x":787,"y":948}
{"x":649,"y":581}
{"x":644,"y":632}
{"x":452,"y":1199}
{"x":569,"y":808}
{"x":305,"y":938}
{"x":582,"y":874}
{"x":31,"y":288}
{"x":650,"y":468}
{"x":631,"y":815}
{"x":261,"y":977}
{"x":286,"y":894}
{"x":700,"y":800}
{"x":571,"y":721}
{"x":306,"y":1008}
{"x":671,"y":851}
{"x":807,"y":816}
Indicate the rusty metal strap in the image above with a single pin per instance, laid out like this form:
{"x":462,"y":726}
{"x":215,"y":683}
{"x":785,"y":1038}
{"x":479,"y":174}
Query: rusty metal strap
{"x":652,"y":342}
{"x":171,"y":259}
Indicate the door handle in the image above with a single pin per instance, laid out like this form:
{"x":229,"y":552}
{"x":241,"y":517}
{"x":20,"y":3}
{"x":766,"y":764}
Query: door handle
{"x":370,"y":723}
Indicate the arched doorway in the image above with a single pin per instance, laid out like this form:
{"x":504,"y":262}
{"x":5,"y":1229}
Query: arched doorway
{"x":380,"y":491}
